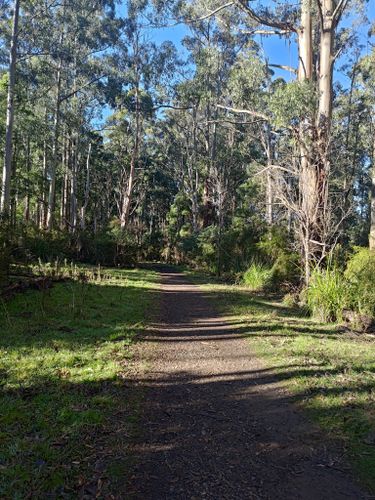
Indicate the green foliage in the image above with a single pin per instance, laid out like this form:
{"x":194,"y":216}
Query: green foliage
{"x":326,"y":294}
{"x":110,"y":246}
{"x":286,"y":269}
{"x":330,"y":291}
{"x":45,"y":245}
{"x":292,"y":102}
{"x":258,"y":277}
{"x":360,"y":278}
{"x":274,"y":247}
{"x":290,"y":300}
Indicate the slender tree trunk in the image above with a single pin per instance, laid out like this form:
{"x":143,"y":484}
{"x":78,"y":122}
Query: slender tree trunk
{"x":194,"y":176}
{"x":7,"y":167}
{"x":27,"y":197}
{"x":62,"y":203}
{"x":270,"y":153}
{"x":54,"y":160}
{"x":73,"y":187}
{"x":87,"y":190}
{"x":127,"y":199}
{"x":307,"y":178}
{"x":372,"y":200}
{"x":44,"y":199}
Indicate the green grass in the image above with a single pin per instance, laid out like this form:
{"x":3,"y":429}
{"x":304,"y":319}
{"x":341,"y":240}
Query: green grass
{"x":329,"y":373}
{"x":64,"y":399}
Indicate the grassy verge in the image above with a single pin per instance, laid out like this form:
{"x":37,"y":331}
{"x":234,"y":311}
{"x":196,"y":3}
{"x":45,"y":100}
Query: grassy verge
{"x":328,"y":372}
{"x":66,"y":408}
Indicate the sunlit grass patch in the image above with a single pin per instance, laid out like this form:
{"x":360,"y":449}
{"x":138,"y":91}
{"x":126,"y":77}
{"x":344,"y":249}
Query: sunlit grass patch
{"x":64,"y":354}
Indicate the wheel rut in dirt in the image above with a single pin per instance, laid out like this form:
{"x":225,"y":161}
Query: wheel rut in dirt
{"x":217,"y":424}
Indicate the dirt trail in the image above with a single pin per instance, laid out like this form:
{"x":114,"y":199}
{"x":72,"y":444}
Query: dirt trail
{"x":216,"y":424}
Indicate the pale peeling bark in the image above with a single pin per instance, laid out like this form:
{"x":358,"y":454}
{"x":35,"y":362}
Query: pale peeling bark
{"x":305,"y":42}
{"x":54,"y":161}
{"x":87,"y":190}
{"x":7,"y":166}
{"x":372,"y":201}
{"x":307,"y":178}
{"x":127,"y":199}
{"x":315,"y":137}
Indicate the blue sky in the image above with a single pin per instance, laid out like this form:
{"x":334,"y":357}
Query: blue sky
{"x":276,"y":49}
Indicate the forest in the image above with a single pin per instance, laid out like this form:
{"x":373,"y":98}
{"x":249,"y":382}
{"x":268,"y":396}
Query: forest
{"x":230,"y":144}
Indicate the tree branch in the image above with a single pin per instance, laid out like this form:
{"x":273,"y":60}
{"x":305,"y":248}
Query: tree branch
{"x":245,"y":111}
{"x":71,"y":94}
{"x":337,"y":13}
{"x":169,"y":106}
{"x":267,"y":32}
{"x":278,"y":167}
{"x":284,"y":67}
{"x":272,"y":23}
{"x":211,"y":13}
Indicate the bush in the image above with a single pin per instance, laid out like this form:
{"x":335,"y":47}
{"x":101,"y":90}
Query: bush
{"x":286,"y":270}
{"x":45,"y":245}
{"x":275,"y":250}
{"x":326,"y":294}
{"x":360,"y":277}
{"x":257,"y":277}
{"x":291,"y":300}
{"x":5,"y":258}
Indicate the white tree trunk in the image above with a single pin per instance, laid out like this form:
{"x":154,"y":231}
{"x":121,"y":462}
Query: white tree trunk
{"x":87,"y":190}
{"x":127,"y":199}
{"x":54,"y":160}
{"x":372,"y":199}
{"x":7,"y":167}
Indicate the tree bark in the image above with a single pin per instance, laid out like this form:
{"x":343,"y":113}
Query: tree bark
{"x":27,"y":186}
{"x":87,"y":190}
{"x":307,"y":178}
{"x":127,"y":199}
{"x":54,"y":160}
{"x":7,"y":167}
{"x":73,"y":185}
{"x":372,"y":200}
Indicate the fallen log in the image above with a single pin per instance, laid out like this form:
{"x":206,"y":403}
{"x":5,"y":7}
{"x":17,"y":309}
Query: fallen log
{"x":359,"y":323}
{"x":40,"y":283}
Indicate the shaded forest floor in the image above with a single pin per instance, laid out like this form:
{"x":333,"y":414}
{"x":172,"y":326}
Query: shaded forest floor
{"x":191,"y":411}
{"x":65,"y":405}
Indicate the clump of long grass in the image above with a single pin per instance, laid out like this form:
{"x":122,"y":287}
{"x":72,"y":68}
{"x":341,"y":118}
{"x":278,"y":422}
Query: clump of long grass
{"x":360,"y":277}
{"x":326,"y":294}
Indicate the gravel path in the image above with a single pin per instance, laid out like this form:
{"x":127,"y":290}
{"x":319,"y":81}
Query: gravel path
{"x":216,"y":424}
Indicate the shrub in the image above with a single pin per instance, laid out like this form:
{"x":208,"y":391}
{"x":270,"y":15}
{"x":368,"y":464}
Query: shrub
{"x":275,"y":250}
{"x":360,"y":276}
{"x":257,"y":277}
{"x":326,"y":294}
{"x":286,"y":269}
{"x":290,"y":300}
